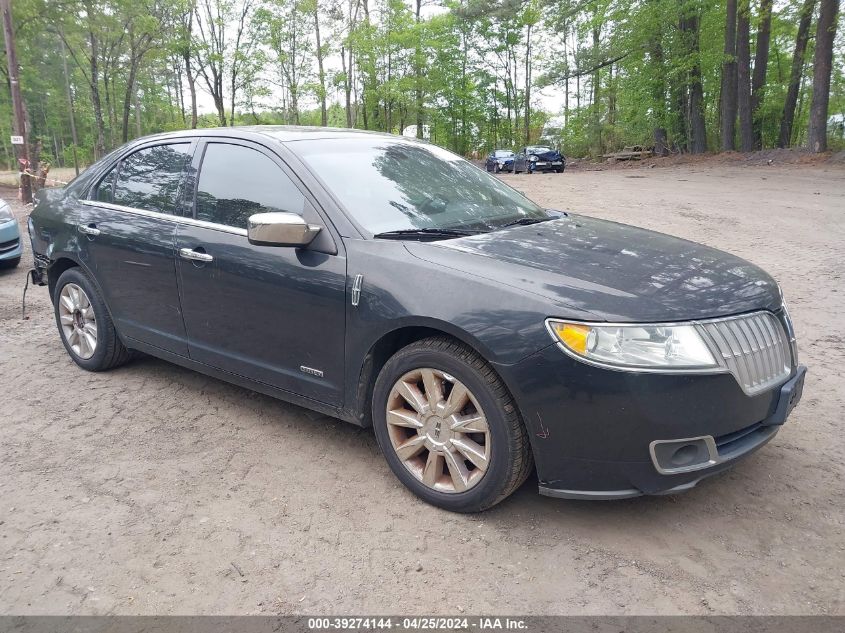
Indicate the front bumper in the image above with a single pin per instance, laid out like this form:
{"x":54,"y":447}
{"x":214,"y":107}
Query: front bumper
{"x":593,"y":430}
{"x":10,"y":240}
{"x":547,"y":165}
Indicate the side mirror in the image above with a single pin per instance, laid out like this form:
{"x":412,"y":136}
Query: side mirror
{"x":280,"y":229}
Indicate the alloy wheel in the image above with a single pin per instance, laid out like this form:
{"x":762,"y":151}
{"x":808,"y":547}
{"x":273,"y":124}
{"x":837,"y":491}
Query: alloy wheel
{"x":78,"y":322}
{"x":438,"y":430}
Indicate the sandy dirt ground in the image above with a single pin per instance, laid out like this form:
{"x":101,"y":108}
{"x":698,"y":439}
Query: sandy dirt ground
{"x":152,"y":489}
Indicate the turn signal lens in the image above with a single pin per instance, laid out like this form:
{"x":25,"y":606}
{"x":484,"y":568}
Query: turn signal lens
{"x":573,"y":335}
{"x":650,"y":346}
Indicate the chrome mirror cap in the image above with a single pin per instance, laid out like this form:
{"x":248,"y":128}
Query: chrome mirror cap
{"x":280,"y":229}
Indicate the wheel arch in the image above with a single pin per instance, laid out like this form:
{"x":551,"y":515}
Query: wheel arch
{"x":391,"y":342}
{"x":59,"y":265}
{"x":65,"y":261}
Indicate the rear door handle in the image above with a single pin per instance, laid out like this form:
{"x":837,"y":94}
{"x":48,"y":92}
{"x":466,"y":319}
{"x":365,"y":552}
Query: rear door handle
{"x":187,"y":253}
{"x":89,"y":229}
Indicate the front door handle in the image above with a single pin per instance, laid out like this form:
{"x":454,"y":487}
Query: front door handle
{"x":89,"y":229}
{"x":187,"y":253}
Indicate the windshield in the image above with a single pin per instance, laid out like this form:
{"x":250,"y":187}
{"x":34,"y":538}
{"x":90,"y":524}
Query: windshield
{"x":538,"y":149}
{"x":503,"y":153}
{"x":395,"y":185}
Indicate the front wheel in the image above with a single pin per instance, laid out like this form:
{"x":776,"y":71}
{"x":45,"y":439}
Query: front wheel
{"x":448,"y":427}
{"x":85,"y":324}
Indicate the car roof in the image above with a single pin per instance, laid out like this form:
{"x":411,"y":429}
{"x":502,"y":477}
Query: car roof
{"x":283,"y":133}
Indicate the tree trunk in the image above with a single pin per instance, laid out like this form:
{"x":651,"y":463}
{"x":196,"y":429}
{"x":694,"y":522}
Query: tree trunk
{"x":73,"y":134}
{"x":566,"y":85}
{"x":695,"y":101}
{"x":19,"y":120}
{"x":822,"y":67}
{"x":728,"y":99}
{"x":418,"y":70}
{"x":796,"y":73}
{"x":136,"y":106}
{"x":94,"y":82}
{"x":192,"y":89}
{"x":347,"y":84}
{"x":743,"y":78}
{"x":596,"y":92}
{"x":658,"y":92}
{"x":528,"y":86}
{"x":130,"y":88}
{"x":761,"y":63}
{"x":321,"y":75}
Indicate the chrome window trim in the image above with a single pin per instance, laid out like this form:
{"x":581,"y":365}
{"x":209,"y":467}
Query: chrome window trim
{"x":697,"y":323}
{"x":178,"y":219}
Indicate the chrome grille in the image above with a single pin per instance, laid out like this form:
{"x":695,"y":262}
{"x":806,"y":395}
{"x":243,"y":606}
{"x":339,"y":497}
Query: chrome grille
{"x":753,"y":347}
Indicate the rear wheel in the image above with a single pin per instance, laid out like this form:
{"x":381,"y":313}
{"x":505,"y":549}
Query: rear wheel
{"x":448,"y":427}
{"x":85,"y":324}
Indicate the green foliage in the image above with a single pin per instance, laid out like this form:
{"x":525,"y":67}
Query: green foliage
{"x":469,"y":71}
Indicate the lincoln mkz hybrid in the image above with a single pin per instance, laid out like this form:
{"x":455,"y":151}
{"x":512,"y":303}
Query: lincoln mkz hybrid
{"x":392,"y":284}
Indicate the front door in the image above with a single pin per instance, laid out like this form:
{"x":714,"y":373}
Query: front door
{"x":127,"y":232}
{"x":272,"y":314}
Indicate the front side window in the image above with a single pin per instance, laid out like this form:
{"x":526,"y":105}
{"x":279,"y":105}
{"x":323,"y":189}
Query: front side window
{"x":397,"y":185}
{"x":236,"y":182}
{"x":149,"y":178}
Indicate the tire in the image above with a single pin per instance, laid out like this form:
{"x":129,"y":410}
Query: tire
{"x":561,"y":170}
{"x":10,"y":263}
{"x":504,"y":444}
{"x":497,"y":169}
{"x":108,"y":350}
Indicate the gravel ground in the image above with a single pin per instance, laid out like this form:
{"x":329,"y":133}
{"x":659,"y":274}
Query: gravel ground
{"x":152,"y":489}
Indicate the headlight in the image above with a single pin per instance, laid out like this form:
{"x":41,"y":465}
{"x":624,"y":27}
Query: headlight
{"x":646,"y":347}
{"x":5,"y":212}
{"x":501,"y":163}
{"x":533,"y":159}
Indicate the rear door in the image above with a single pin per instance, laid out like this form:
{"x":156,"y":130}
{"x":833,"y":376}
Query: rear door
{"x":127,"y":230}
{"x":272,"y":314}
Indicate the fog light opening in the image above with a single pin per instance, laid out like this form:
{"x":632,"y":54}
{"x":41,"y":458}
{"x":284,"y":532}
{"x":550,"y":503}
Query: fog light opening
{"x":685,"y":455}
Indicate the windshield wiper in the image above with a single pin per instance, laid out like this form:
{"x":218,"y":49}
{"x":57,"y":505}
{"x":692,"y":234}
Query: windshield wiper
{"x":425,"y":232}
{"x":524,"y":222}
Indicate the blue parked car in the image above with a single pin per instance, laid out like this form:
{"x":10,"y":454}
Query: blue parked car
{"x":542,"y":158}
{"x":10,"y":237}
{"x":505,"y":160}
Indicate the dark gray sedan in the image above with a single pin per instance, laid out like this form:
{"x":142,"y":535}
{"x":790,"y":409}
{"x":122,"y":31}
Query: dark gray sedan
{"x":392,"y":284}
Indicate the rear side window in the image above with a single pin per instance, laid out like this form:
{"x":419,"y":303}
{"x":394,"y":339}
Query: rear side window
{"x":236,"y":182}
{"x":149,"y":178}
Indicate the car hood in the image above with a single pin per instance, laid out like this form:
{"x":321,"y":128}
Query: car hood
{"x":610,"y":271}
{"x":550,"y":155}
